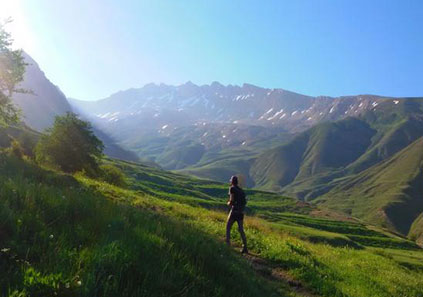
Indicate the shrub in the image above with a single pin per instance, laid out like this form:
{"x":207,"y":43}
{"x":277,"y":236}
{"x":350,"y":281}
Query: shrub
{"x":112,"y":175}
{"x":16,"y":149}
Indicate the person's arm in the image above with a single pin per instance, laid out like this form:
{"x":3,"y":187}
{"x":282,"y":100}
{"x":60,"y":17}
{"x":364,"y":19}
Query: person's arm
{"x":231,"y":197}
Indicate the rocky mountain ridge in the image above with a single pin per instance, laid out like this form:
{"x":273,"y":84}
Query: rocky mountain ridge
{"x":167,"y":107}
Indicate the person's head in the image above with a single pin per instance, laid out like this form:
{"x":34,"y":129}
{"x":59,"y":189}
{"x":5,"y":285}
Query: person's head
{"x":234,"y":180}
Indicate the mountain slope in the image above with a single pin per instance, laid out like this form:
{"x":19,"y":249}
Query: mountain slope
{"x":387,"y":194}
{"x":321,"y":150}
{"x":45,"y":100}
{"x":396,"y":128}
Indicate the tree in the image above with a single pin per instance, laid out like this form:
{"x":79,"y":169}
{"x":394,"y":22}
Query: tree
{"x":71,"y":145}
{"x":12,"y":70}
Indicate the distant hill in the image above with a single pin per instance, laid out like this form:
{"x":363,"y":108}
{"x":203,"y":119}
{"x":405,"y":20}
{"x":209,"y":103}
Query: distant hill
{"x":320,"y":150}
{"x":389,"y":194}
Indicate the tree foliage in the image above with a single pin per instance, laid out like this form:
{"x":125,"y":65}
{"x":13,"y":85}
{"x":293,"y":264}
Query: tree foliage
{"x":12,"y":70}
{"x":70,"y":145}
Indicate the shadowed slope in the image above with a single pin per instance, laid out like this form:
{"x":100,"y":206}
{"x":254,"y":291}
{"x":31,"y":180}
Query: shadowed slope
{"x":387,"y":194}
{"x":321,"y":150}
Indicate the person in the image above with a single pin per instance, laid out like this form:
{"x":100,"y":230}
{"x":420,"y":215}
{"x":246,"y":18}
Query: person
{"x":237,"y":203}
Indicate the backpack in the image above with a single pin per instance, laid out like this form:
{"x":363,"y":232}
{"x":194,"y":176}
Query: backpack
{"x":241,"y":202}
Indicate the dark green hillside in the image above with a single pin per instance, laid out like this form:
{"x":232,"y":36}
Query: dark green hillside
{"x":390,"y":140}
{"x":221,"y":165}
{"x":334,"y":145}
{"x":184,"y":154}
{"x":278,"y":167}
{"x":416,"y":230}
{"x":387,"y":194}
{"x":321,"y":150}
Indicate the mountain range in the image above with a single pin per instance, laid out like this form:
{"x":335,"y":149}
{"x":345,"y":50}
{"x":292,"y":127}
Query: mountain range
{"x":361,"y":155}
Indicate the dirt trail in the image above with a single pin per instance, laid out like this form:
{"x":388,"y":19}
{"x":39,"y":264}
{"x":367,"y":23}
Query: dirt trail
{"x":273,"y":273}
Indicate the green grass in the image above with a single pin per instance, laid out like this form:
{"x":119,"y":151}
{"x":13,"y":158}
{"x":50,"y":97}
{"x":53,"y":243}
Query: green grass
{"x":163,"y":236}
{"x":85,"y":238}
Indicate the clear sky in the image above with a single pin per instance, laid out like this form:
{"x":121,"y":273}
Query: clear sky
{"x":92,"y":48}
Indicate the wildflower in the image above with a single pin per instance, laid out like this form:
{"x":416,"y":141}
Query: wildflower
{"x":67,"y":285}
{"x":5,"y":250}
{"x":79,"y":283}
{"x":51,"y":236}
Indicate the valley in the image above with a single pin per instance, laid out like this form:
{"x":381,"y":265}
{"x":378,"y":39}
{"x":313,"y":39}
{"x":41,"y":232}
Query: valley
{"x":310,"y":148}
{"x":211,"y":148}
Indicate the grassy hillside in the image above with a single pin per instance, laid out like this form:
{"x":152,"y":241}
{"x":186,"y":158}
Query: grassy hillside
{"x":162,"y":236}
{"x":321,"y":150}
{"x":388,"y":141}
{"x":219,"y":166}
{"x":416,"y":230}
{"x":387,"y":194}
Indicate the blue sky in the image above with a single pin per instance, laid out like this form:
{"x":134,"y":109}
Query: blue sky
{"x":91,"y":49}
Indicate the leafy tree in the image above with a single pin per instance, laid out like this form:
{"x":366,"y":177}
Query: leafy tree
{"x":71,"y":145}
{"x":12,"y":69}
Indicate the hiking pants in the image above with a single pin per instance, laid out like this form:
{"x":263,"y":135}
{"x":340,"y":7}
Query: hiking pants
{"x":239,"y":218}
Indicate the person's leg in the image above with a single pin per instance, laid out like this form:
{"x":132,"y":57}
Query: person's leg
{"x":229,"y":224}
{"x":242,"y":233}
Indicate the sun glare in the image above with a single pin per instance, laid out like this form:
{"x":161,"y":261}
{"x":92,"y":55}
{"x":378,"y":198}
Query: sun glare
{"x":12,"y":9}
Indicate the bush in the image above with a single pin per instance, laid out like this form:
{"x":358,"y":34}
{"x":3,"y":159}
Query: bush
{"x":70,"y":145}
{"x":16,"y":149}
{"x":112,"y":175}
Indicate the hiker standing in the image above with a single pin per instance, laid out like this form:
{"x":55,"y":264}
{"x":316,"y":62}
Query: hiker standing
{"x":237,"y":202}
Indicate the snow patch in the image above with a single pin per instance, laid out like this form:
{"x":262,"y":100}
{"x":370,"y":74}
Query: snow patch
{"x":275,"y":115}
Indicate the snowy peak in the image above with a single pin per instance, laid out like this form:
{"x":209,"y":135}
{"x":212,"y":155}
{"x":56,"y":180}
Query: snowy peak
{"x":156,"y":106}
